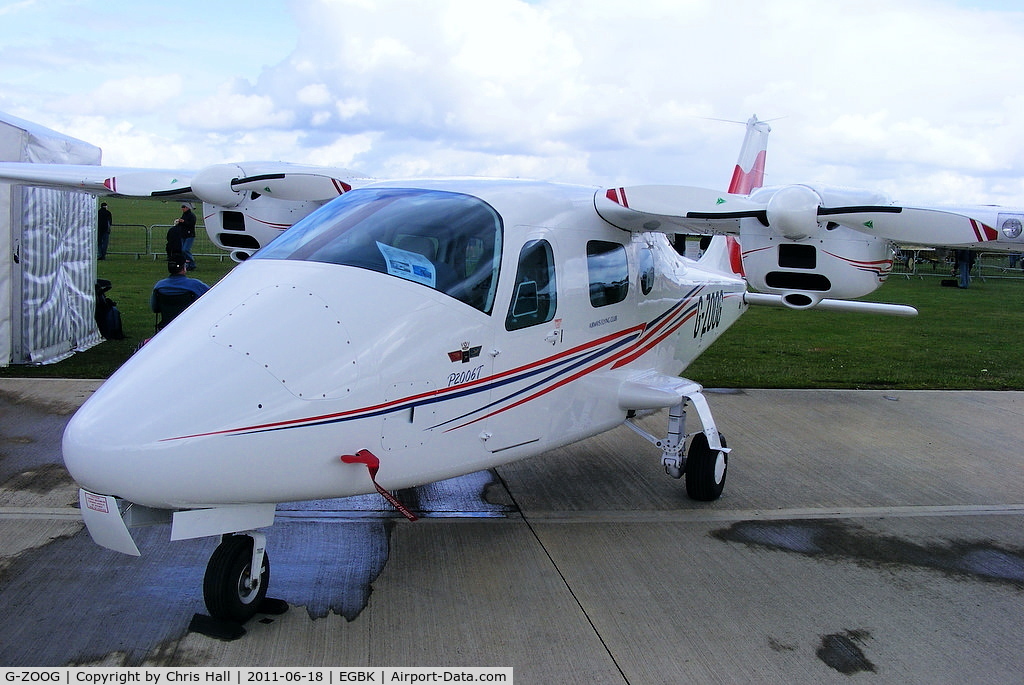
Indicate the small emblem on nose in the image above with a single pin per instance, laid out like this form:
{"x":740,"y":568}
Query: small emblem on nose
{"x":465,"y":354}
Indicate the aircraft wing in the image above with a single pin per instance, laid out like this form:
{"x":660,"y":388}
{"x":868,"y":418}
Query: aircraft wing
{"x":218,"y":184}
{"x":797,"y":212}
{"x":950,"y":227}
{"x":655,"y":208}
{"x":100,"y":179}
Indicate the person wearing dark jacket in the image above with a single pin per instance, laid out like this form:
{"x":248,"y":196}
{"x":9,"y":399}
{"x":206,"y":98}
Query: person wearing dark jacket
{"x":187,"y":227}
{"x":177,"y":283}
{"x":105,"y":221}
{"x":173,"y":246}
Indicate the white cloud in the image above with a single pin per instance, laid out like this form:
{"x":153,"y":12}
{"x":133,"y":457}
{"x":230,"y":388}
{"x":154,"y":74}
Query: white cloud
{"x":342,"y":152}
{"x":228,"y":110}
{"x":917,"y":96}
{"x":351,"y":107}
{"x":132,"y":95}
{"x":16,"y":7}
{"x":314,"y":95}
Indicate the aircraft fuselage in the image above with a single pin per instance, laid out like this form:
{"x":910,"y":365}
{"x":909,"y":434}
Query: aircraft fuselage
{"x":446,"y":327}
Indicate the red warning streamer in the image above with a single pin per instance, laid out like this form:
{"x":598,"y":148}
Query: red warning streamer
{"x":372,"y":464}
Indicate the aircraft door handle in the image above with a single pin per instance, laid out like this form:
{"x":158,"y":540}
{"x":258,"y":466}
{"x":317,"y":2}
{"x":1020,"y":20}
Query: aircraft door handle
{"x":554,"y":337}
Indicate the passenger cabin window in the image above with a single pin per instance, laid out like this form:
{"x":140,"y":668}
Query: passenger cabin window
{"x":446,"y":241}
{"x":646,"y":270}
{"x":609,"y":272}
{"x":534,"y":295}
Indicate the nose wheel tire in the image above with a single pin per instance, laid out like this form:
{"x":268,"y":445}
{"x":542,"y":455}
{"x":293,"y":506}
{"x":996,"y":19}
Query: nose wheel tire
{"x":228,"y":589}
{"x":705,"y":469}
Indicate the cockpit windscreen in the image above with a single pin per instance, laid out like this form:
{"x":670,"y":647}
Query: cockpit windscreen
{"x":446,"y":241}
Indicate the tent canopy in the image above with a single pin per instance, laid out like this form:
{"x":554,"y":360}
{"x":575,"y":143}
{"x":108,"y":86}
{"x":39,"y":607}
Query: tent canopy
{"x":47,"y":252}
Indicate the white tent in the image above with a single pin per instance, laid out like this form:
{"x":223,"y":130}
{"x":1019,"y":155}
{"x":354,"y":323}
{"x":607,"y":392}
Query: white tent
{"x":47,"y":252}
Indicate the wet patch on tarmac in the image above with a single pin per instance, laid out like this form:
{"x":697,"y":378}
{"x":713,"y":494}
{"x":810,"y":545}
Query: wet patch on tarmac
{"x":63,"y":403}
{"x":841,"y":541}
{"x":324,"y":558}
{"x":777,"y":646}
{"x":19,"y":450}
{"x":842,"y":652}
{"x":327,"y":569}
{"x":40,"y":480}
{"x":331,"y":569}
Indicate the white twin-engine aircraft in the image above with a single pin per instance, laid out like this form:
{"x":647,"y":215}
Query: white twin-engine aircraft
{"x":407,"y":332}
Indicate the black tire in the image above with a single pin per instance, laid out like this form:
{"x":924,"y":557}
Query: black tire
{"x":706,"y":469}
{"x":227,"y":574}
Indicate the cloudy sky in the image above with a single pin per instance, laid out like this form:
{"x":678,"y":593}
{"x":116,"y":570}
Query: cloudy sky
{"x":923,"y":99}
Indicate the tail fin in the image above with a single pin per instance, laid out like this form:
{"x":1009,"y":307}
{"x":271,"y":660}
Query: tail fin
{"x":749,"y":171}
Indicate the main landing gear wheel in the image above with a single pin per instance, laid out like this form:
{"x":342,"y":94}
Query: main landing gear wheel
{"x":228,"y":590}
{"x":705,"y":469}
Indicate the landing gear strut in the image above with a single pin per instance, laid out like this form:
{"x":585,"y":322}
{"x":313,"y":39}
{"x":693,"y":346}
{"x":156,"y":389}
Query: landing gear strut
{"x":231,"y":588}
{"x":706,"y":462}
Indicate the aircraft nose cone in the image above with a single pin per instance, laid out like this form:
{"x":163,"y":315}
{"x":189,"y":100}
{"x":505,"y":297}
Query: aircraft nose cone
{"x":184,"y":422}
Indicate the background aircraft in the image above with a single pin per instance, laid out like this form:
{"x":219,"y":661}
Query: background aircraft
{"x":412,"y":331}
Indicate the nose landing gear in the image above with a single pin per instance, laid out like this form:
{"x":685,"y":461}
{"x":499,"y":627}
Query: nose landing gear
{"x":235,"y":586}
{"x":236,"y":577}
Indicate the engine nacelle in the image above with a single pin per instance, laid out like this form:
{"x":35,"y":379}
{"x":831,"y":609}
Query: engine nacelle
{"x":835,"y":263}
{"x":213,"y":184}
{"x":252,"y":222}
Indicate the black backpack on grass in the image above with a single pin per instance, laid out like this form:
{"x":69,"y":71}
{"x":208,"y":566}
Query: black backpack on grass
{"x":108,"y":318}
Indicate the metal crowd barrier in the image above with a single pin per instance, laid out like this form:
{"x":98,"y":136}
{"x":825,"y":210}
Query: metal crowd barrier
{"x":942,"y":263}
{"x":148,"y":241}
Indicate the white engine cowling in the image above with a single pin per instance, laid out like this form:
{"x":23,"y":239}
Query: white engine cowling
{"x":252,"y":222}
{"x":835,"y":263}
{"x":802,"y":256}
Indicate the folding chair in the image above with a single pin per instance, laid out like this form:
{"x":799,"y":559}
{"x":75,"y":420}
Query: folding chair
{"x":170,"y":305}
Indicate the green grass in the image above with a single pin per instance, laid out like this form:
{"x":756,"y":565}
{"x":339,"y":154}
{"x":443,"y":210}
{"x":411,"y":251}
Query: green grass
{"x":962,"y":339}
{"x":128,"y":210}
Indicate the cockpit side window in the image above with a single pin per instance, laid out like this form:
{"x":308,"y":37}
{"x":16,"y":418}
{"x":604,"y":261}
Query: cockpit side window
{"x":534,"y":293}
{"x":447,"y":241}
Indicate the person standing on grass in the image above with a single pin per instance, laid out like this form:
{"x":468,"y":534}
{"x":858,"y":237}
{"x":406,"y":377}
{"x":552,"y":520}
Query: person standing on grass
{"x":964,"y":262}
{"x":105,"y":221}
{"x":187,"y":223}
